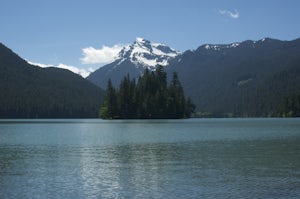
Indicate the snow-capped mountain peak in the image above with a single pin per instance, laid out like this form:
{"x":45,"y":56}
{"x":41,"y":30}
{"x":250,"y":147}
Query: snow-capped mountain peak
{"x":147,"y":54}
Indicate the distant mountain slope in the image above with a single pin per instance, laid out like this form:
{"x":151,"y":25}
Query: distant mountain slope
{"x":240,"y":79}
{"x":133,"y":60}
{"x":28,"y":91}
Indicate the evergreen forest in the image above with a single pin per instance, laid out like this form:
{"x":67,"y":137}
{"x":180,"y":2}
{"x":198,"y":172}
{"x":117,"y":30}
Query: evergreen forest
{"x":290,"y":107}
{"x":149,"y":98}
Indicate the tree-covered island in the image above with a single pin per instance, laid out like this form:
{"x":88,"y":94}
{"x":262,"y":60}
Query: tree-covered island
{"x":148,"y":98}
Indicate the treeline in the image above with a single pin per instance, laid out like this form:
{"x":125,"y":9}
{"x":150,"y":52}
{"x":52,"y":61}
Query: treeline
{"x":290,"y":107}
{"x":148,"y":98}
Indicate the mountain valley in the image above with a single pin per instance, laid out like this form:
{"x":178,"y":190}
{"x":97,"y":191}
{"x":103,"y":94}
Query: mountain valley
{"x":241,"y":79}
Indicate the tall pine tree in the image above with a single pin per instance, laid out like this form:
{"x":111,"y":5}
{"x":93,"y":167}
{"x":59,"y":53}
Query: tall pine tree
{"x":109,"y":109}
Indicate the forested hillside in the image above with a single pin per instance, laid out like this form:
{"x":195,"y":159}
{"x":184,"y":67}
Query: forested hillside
{"x":248,"y":79}
{"x":28,"y":91}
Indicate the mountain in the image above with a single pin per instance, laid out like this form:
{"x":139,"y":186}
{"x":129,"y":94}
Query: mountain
{"x":249,"y":78}
{"x":28,"y":91}
{"x":240,"y":79}
{"x":133,"y":60}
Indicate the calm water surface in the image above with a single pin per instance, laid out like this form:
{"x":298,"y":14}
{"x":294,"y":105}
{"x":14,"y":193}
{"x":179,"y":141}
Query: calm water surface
{"x":195,"y":158}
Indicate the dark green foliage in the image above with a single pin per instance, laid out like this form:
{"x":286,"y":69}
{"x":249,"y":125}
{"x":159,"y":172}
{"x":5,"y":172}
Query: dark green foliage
{"x":176,"y":99}
{"x":290,"y":107}
{"x":28,"y":91}
{"x":149,"y":98}
{"x":126,"y":99}
{"x":110,"y":107}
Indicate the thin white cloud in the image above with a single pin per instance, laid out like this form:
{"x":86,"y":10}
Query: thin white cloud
{"x":103,"y":55}
{"x":80,"y":71}
{"x":234,"y":15}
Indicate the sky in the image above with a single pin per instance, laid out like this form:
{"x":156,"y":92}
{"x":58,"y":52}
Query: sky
{"x":84,"y":35}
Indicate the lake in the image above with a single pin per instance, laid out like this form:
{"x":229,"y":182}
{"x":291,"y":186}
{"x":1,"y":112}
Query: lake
{"x":193,"y":158}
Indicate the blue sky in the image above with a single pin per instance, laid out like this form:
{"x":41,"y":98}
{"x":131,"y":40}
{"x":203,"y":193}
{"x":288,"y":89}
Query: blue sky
{"x":64,"y":32}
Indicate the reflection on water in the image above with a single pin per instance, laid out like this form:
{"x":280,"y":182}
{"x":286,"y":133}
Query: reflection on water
{"x":86,"y":167}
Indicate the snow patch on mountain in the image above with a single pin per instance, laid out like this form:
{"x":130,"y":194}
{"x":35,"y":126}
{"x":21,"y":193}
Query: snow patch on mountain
{"x":220,"y":47}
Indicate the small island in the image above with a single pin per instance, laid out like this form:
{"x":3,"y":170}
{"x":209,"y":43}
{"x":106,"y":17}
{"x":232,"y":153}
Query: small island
{"x":149,"y":98}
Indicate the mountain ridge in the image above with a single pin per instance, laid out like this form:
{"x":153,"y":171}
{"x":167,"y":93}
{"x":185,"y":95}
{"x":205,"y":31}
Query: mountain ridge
{"x":234,"y":80}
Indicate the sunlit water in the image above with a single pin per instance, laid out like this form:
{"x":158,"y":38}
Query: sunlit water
{"x":195,"y":158}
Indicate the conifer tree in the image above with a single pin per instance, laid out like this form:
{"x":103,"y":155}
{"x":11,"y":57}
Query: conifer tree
{"x":109,"y":108}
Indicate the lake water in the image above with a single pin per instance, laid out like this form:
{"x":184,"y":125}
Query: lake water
{"x":194,"y":158}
